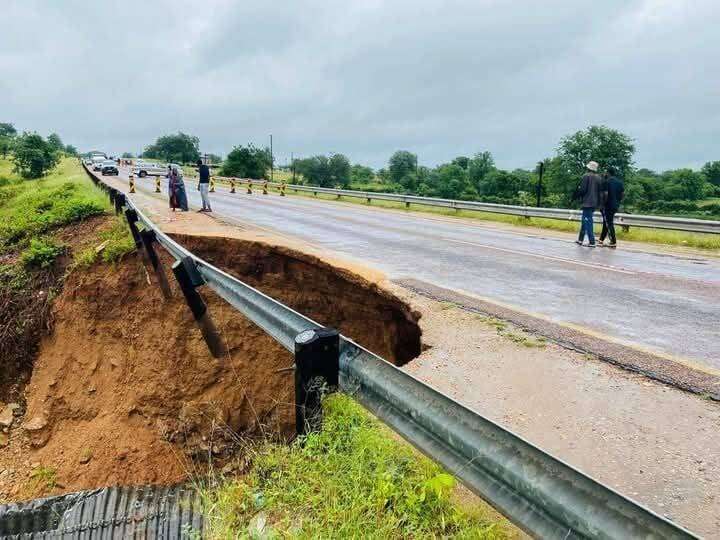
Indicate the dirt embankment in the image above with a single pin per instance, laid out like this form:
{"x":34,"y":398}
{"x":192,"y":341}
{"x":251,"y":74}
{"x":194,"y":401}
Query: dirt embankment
{"x":124,"y":391}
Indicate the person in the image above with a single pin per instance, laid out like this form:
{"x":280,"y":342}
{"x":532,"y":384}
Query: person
{"x":591,"y":197}
{"x":176,"y":189}
{"x":204,"y":185}
{"x":615,"y":193}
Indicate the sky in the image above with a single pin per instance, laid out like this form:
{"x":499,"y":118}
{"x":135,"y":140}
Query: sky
{"x":368,"y":77}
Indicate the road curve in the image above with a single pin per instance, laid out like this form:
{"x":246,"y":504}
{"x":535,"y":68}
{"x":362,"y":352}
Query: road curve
{"x":664,"y":303}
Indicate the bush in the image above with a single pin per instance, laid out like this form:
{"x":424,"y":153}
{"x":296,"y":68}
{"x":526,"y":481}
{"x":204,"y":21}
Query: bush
{"x":33,"y":155}
{"x":41,"y":253}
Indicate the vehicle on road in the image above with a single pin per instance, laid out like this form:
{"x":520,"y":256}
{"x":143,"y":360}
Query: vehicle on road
{"x":97,"y":162}
{"x":149,"y":169}
{"x":109,"y":168}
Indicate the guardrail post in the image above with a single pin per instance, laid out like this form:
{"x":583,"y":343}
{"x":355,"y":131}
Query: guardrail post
{"x":212,"y":185}
{"x":157,"y":184}
{"x":232,"y":186}
{"x":317,"y":364}
{"x":188,"y":278}
{"x":265,"y":188}
{"x":132,"y":218}
{"x":131,"y":178}
{"x":282,"y":189}
{"x":249,"y":188}
{"x":119,"y":202}
{"x":148,"y":237}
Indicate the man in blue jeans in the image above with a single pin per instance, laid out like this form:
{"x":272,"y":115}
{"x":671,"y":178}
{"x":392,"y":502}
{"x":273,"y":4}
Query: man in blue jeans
{"x":591,"y":197}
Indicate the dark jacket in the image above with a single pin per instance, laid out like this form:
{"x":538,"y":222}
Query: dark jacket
{"x":204,"y":171}
{"x":615,"y":192}
{"x":591,"y":191}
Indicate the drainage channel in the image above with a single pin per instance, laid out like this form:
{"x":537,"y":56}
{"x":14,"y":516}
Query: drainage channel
{"x":117,"y":512}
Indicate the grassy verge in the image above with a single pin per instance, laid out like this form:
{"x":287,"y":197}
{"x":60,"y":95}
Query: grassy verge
{"x":352,"y":480}
{"x":42,"y":236}
{"x":636,"y":234}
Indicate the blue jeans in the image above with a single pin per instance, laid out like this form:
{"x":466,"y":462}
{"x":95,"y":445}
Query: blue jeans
{"x":586,"y":225}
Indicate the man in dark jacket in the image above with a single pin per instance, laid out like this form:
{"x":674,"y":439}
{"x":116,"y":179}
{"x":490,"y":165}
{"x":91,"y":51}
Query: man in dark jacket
{"x":615,"y":192}
{"x":203,"y":185}
{"x":591,"y":195}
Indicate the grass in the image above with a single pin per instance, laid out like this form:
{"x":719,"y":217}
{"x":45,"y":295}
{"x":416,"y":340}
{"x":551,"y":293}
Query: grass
{"x":42,"y":480}
{"x":635,"y":234}
{"x":352,"y":480}
{"x":32,"y":208}
{"x":114,"y":243}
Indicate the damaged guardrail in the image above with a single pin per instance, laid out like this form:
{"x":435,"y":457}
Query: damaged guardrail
{"x":621,"y":219}
{"x":541,"y":494}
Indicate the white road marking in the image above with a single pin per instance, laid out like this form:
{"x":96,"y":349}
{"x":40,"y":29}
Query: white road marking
{"x":547,"y":257}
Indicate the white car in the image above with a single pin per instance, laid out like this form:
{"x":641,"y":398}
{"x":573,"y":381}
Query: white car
{"x":143,"y":169}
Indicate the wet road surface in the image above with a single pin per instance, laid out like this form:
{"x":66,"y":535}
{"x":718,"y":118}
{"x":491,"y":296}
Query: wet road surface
{"x":660,"y":302}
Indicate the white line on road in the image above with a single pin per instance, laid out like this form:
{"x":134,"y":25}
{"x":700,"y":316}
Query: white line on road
{"x":547,"y":257}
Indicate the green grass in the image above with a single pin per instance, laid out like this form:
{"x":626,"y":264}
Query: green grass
{"x":352,"y":480}
{"x":32,"y":208}
{"x":115,"y":243}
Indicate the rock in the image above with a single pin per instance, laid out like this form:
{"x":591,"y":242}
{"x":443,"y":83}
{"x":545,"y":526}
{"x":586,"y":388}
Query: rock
{"x":85,"y":456}
{"x":3,"y":440}
{"x":6,"y":416}
{"x":35,"y":424}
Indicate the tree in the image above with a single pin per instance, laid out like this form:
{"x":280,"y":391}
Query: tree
{"x":33,"y":156}
{"x":247,"y":162}
{"x":685,"y":184}
{"x":479,"y":166}
{"x":359,"y":174}
{"x":214,"y":159}
{"x":127,"y":155}
{"x":70,"y":150}
{"x":450,"y":181}
{"x":711,"y":170}
{"x":339,"y":170}
{"x":55,"y":142}
{"x":402,"y":168}
{"x":180,"y":148}
{"x":608,"y":147}
{"x":325,"y":171}
{"x":7,"y":134}
{"x":462,"y":161}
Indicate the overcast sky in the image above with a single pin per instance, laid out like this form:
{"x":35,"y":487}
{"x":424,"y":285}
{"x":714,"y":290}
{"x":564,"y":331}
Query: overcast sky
{"x":368,"y":77}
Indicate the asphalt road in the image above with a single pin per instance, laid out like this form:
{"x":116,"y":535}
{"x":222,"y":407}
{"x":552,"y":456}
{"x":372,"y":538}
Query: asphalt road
{"x":660,"y":302}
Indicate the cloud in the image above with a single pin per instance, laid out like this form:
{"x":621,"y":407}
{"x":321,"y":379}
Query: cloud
{"x":367,"y":77}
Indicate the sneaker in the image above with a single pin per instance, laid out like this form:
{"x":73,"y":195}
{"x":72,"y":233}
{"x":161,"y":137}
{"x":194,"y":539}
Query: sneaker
{"x":201,"y":210}
{"x":578,"y":242}
{"x":612,"y":245}
{"x":601,"y":243}
{"x":592,"y":245}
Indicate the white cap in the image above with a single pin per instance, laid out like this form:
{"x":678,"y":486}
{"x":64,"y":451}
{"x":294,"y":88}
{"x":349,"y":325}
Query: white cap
{"x":592,"y":165}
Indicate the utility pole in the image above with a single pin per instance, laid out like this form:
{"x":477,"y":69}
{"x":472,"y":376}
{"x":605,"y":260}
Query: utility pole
{"x":541,"y":169}
{"x":292,"y":164}
{"x":272,"y":159}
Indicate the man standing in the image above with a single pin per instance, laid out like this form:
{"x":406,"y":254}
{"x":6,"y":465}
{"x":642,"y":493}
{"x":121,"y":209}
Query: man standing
{"x":204,"y":186}
{"x":615,"y":192}
{"x":591,"y":197}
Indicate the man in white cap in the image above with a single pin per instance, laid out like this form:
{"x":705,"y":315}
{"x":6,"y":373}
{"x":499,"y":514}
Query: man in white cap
{"x":591,"y":197}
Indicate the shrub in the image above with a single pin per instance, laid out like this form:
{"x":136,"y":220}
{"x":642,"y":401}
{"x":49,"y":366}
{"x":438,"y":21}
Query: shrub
{"x":41,"y":253}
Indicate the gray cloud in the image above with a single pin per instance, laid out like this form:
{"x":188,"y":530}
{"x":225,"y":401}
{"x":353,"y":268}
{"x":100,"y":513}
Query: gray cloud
{"x":367,"y":77}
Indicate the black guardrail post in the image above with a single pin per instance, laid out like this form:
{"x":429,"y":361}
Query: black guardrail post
{"x":188,"y":278}
{"x":119,"y":202}
{"x":148,"y":238}
{"x":317,"y":363}
{"x":132,"y":219}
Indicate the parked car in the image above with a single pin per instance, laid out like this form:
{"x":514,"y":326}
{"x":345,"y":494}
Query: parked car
{"x":109,"y":168}
{"x":149,"y":169}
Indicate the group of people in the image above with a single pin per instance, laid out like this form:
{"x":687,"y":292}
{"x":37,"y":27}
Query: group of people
{"x":599,"y":192}
{"x":176,"y":187}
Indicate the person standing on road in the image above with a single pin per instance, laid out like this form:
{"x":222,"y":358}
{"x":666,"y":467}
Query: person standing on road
{"x":176,"y":189}
{"x":204,"y":185}
{"x":590,"y":193}
{"x":615,"y":192}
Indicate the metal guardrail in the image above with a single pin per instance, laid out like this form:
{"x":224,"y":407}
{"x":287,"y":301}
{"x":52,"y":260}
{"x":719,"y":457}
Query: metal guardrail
{"x":621,"y":219}
{"x":541,"y":494}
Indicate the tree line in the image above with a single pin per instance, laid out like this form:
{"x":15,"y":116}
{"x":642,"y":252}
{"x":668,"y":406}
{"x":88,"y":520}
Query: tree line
{"x":32,"y":155}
